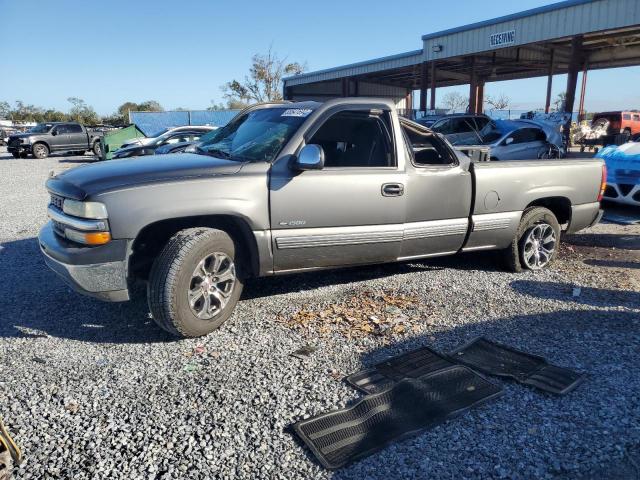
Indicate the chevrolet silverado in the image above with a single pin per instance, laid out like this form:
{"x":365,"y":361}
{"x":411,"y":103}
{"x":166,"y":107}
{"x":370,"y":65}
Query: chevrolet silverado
{"x":291,"y":187}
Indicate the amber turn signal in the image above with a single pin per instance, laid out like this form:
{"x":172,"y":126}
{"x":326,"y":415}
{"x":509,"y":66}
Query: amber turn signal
{"x":88,"y":238}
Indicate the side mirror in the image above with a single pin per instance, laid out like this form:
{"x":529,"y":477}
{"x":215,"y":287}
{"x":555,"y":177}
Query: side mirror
{"x":311,"y":157}
{"x":508,"y":141}
{"x":54,"y":132}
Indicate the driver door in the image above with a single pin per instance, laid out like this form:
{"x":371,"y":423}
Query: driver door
{"x":351,"y":211}
{"x":60,"y":140}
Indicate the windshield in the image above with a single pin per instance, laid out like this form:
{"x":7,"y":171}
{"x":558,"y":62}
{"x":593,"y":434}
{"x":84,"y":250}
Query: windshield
{"x":490,"y":133}
{"x":41,"y":128}
{"x":256,"y":136}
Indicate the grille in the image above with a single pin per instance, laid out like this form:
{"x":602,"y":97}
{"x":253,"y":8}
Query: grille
{"x":625,"y":188}
{"x":57,"y":201}
{"x":610,"y":192}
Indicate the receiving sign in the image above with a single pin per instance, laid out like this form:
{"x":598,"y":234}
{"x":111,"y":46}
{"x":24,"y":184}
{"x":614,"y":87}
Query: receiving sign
{"x":503,"y":38}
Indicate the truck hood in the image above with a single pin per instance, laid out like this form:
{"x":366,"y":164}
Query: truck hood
{"x":113,"y":174}
{"x":22,"y":135}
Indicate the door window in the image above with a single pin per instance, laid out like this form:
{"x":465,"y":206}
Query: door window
{"x":525,"y":135}
{"x":62,"y":129}
{"x":481,"y":122}
{"x":74,"y":128}
{"x":355,"y":139}
{"x":453,"y":125}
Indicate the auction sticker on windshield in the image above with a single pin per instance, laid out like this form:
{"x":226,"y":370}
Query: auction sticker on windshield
{"x":296,"y":112}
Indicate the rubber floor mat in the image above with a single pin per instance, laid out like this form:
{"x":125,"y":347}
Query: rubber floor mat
{"x":413,"y":364}
{"x":411,"y":405}
{"x":495,"y":359}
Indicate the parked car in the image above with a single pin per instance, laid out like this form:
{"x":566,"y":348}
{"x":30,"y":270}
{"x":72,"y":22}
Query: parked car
{"x":516,"y":140}
{"x":5,"y":133}
{"x":147,"y":146}
{"x":623,"y":173}
{"x":189,"y":146}
{"x":460,"y":129}
{"x":49,"y":137}
{"x":291,"y":187}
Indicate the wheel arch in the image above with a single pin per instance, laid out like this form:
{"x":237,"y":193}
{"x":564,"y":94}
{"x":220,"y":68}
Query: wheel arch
{"x":43,"y":142}
{"x":559,"y":206}
{"x":152,"y":238}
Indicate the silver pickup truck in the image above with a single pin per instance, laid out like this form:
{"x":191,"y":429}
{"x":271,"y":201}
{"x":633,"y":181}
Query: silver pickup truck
{"x":291,"y":187}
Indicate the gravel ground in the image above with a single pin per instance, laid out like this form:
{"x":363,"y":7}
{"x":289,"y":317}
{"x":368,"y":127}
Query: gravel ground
{"x":96,"y":390}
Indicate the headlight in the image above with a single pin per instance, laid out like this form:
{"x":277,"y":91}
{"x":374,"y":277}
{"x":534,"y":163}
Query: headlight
{"x":84,"y":209}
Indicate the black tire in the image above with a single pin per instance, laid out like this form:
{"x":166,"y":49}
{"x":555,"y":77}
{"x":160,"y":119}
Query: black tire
{"x":23,"y":154}
{"x":97,"y":149}
{"x":40,"y":150}
{"x":172,"y":278}
{"x":78,"y":152}
{"x":512,"y":256}
{"x":15,"y":154}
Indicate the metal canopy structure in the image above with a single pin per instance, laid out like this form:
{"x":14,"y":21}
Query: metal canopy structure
{"x":561,"y":38}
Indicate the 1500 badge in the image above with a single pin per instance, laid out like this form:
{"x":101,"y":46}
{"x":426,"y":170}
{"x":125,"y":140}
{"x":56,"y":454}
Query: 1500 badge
{"x":292,"y":223}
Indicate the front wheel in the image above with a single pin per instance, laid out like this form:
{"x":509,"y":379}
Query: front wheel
{"x":194,"y":284}
{"x":15,"y":154}
{"x":40,"y":150}
{"x":535,"y":244}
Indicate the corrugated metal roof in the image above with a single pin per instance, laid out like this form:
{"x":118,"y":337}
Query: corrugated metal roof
{"x":556,"y":21}
{"x":552,"y":22}
{"x":152,"y":122}
{"x":383,"y":63}
{"x":507,"y":18}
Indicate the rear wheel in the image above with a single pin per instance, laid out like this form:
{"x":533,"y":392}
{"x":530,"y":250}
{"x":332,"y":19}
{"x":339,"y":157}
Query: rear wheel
{"x":535,"y":244}
{"x":40,"y":150}
{"x":97,"y":149}
{"x":194,"y":284}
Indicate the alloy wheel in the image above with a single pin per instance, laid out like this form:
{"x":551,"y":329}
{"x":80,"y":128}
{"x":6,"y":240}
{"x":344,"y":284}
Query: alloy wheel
{"x":539,"y":246}
{"x":211,"y":285}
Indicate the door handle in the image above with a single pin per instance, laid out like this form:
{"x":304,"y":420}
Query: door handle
{"x":392,"y":189}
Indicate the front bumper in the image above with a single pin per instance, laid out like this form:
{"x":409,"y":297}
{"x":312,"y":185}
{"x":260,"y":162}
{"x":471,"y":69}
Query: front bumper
{"x":23,"y":147}
{"x":99,"y":272}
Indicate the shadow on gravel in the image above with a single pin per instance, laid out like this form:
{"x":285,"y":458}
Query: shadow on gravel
{"x":604,"y":240}
{"x":611,"y":263}
{"x":267,"y":286}
{"x":602,"y":344}
{"x":600,"y":297}
{"x":35,"y":302}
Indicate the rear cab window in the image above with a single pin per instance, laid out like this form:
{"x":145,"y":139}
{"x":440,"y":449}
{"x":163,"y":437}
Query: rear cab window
{"x":426,"y":149}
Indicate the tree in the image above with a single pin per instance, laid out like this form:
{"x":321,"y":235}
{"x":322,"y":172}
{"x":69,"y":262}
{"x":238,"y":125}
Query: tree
{"x":501,"y":102}
{"x":150,"y":106}
{"x":5,"y":110}
{"x":560,"y":101}
{"x":81,"y":112}
{"x":455,"y":101}
{"x":263,"y":84}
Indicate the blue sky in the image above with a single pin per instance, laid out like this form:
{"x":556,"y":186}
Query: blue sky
{"x":180,"y":53}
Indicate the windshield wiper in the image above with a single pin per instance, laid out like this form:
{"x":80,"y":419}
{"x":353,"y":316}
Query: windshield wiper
{"x":213,"y":152}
